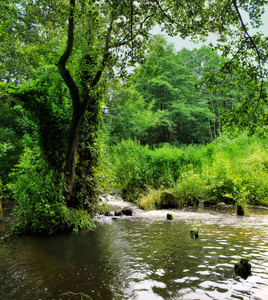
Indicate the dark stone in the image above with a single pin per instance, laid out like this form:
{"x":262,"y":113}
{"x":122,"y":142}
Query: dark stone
{"x":243,"y":269}
{"x":194,"y":234}
{"x":108,"y":213}
{"x":170,"y":216}
{"x":240,"y":210}
{"x":117,"y":213}
{"x":168,"y":200}
{"x":127,"y":211}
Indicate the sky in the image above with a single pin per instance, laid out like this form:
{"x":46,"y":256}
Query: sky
{"x":180,"y":43}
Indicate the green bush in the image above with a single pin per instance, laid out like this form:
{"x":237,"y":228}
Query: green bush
{"x":233,"y":169}
{"x":39,"y":204}
{"x":151,"y":199}
{"x":36,"y":197}
{"x":137,"y":167}
{"x":130,"y":165}
{"x":189,"y":189}
{"x":76,"y":220}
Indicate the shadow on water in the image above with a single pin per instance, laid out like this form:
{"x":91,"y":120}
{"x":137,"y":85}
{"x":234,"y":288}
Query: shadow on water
{"x":142,"y":257}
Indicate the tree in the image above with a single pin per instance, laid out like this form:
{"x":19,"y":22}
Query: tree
{"x":176,"y":84}
{"x":128,"y":116}
{"x":87,"y":40}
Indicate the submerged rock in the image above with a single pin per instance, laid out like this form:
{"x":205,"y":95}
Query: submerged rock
{"x":194,"y":234}
{"x":127,"y":211}
{"x":243,"y":268}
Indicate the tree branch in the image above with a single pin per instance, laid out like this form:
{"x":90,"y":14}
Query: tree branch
{"x":253,"y":46}
{"x":164,"y":13}
{"x":105,"y":58}
{"x":61,"y":65}
{"x":131,"y":26}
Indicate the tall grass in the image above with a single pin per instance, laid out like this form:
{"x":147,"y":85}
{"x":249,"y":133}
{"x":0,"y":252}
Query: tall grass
{"x":232,"y":169}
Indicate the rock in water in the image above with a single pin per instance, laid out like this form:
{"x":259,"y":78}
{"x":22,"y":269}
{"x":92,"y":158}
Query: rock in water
{"x":243,"y":268}
{"x":127,"y":211}
{"x":194,"y":234}
{"x":240,"y":210}
{"x":168,"y":201}
{"x":170,"y":216}
{"x":118,"y":213}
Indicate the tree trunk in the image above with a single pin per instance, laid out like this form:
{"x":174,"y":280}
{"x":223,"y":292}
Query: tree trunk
{"x":71,"y":145}
{"x":1,"y":208}
{"x":87,"y":153}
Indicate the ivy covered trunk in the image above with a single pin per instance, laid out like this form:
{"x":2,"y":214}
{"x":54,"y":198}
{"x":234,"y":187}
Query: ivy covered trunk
{"x":85,"y":190}
{"x":81,"y":150}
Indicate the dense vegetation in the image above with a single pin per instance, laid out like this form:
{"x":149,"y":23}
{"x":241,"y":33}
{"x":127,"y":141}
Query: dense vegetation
{"x":233,"y":169}
{"x":64,"y":66}
{"x":168,"y":131}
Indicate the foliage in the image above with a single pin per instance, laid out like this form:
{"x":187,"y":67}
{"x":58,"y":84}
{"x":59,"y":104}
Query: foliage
{"x":130,"y":167}
{"x":76,"y":220}
{"x":189,"y":189}
{"x":168,"y":99}
{"x":136,"y":167}
{"x":49,"y":109}
{"x":91,"y":43}
{"x":151,"y":199}
{"x":39,"y":202}
{"x":72,"y":295}
{"x":105,"y":171}
{"x":128,"y":116}
{"x":33,"y":188}
{"x":233,"y":169}
{"x":11,"y":132}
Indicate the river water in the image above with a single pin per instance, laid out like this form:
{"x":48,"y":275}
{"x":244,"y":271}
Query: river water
{"x":141,"y":257}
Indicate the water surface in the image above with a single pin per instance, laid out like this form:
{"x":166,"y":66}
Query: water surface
{"x":142,"y":257}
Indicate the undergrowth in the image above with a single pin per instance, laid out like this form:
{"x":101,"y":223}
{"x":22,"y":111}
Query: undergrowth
{"x":38,"y":200}
{"x":232,"y":169}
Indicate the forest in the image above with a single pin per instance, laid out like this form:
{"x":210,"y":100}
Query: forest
{"x":93,"y":103}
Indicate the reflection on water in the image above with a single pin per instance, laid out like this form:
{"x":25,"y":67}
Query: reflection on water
{"x":142,"y":257}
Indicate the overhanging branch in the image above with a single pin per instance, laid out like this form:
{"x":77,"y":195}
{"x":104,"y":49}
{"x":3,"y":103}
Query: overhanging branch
{"x":254,"y":47}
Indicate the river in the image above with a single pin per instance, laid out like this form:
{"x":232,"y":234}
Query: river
{"x":144,"y":257}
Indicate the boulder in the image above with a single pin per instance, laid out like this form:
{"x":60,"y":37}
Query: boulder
{"x":108,"y":213}
{"x":117,"y":213}
{"x":127,"y":211}
{"x":168,"y":200}
{"x":170,"y":216}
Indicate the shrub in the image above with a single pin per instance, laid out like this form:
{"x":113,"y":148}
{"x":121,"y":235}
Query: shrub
{"x":137,"y":167}
{"x":76,"y":220}
{"x":189,"y":189}
{"x":34,"y":192}
{"x":130,"y":165}
{"x":233,"y":169}
{"x":39,"y":201}
{"x":150,"y":200}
